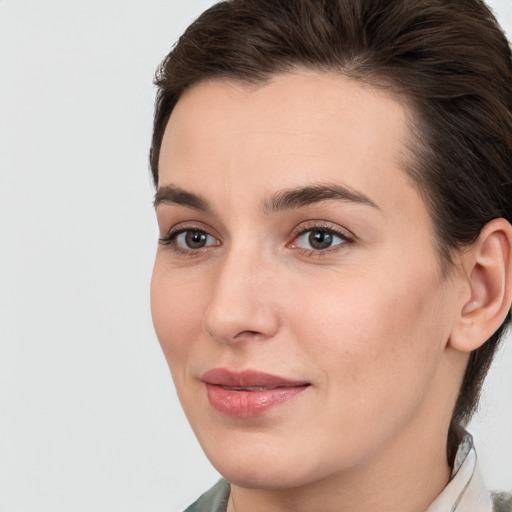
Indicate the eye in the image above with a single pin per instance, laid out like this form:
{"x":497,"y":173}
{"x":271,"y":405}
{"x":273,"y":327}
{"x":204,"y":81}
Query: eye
{"x":319,"y":239}
{"x":185,"y":240}
{"x":193,"y":239}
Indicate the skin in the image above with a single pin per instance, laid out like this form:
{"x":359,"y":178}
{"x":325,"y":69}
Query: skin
{"x":366,"y":322}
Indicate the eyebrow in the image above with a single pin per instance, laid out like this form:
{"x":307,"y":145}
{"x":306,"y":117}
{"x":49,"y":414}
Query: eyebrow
{"x":287,"y":199}
{"x":305,"y":196}
{"x":171,"y":194}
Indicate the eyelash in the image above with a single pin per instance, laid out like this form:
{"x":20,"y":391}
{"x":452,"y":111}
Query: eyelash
{"x":323,"y":227}
{"x":170,"y":239}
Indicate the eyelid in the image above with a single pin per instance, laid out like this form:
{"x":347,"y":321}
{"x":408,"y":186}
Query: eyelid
{"x":320,"y":225}
{"x":169,"y":239}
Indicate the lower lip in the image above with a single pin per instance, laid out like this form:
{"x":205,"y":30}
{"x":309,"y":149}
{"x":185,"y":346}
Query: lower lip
{"x":244,"y":404}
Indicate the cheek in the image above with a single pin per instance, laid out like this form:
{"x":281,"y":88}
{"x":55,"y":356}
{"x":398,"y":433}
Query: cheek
{"x":176,"y":308}
{"x":375,"y":330}
{"x":378,"y":348}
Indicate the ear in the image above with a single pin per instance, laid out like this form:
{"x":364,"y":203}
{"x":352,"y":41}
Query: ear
{"x":488,"y":294}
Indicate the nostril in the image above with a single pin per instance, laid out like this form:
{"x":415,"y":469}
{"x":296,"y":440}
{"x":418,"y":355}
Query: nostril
{"x":229,"y":319}
{"x":242,"y":335}
{"x":250,"y":335}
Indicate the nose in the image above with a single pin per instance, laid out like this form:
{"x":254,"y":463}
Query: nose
{"x":242,"y":304}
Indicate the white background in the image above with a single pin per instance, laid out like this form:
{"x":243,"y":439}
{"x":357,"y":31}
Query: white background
{"x":89,"y":420}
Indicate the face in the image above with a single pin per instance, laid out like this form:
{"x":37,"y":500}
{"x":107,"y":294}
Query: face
{"x":296,"y":293}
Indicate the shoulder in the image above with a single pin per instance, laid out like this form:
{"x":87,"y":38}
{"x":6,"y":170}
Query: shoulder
{"x":502,"y":502}
{"x":214,"y":500}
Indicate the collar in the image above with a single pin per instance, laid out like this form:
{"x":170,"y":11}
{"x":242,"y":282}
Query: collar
{"x":466,"y":491}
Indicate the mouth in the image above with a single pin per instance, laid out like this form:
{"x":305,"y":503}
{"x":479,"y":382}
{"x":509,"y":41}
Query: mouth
{"x":248,"y":393}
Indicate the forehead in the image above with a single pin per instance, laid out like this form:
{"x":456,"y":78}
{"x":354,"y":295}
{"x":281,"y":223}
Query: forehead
{"x":295,"y":128}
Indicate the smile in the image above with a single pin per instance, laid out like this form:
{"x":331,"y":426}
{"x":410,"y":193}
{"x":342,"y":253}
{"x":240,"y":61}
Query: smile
{"x":248,"y":393}
{"x":247,"y":388}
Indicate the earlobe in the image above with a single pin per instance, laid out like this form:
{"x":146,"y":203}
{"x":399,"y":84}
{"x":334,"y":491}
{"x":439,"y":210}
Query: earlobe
{"x":488,"y":268}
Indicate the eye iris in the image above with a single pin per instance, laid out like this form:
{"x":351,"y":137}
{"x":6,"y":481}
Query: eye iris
{"x":320,"y":239}
{"x":195,"y":239}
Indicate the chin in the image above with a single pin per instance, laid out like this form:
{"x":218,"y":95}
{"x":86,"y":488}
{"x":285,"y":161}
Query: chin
{"x":262,"y":464}
{"x":264,"y":477}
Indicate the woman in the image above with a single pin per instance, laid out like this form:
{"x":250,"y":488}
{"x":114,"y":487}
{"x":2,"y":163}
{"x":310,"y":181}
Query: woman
{"x":334,"y":270}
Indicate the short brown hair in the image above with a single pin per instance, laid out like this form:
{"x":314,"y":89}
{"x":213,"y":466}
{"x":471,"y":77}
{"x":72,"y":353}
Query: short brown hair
{"x":449,"y":58}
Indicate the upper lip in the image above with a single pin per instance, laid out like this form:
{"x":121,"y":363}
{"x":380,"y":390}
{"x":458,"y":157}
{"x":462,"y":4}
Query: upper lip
{"x":247,"y":379}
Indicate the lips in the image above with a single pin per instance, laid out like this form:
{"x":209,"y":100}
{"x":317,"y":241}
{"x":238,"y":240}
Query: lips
{"x":248,"y":393}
